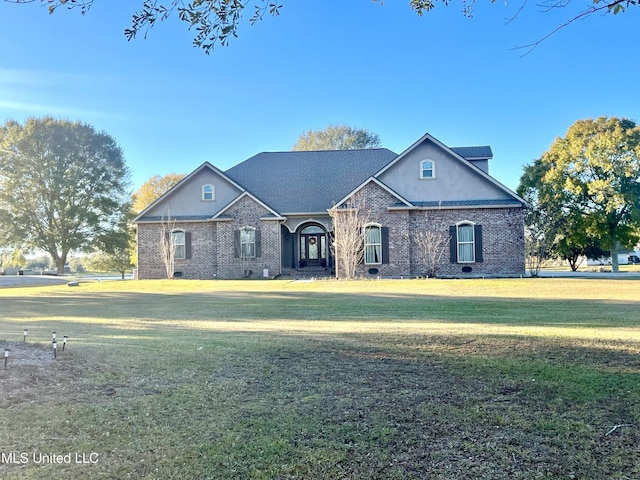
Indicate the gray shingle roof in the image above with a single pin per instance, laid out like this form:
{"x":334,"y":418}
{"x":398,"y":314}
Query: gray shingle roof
{"x":292,"y":182}
{"x":474,"y":152}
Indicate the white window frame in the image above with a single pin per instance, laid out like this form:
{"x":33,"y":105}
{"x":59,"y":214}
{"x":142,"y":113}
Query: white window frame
{"x":248,"y":242}
{"x":377,"y":246}
{"x":179,"y":247}
{"x":205,"y":191}
{"x":460,"y":243}
{"x":432,"y":169}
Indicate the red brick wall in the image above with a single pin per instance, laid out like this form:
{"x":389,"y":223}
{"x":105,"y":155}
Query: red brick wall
{"x":502,"y":238}
{"x":212,"y":246}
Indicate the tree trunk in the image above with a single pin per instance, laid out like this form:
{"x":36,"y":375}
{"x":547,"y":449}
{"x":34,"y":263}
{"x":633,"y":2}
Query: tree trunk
{"x":59,"y":261}
{"x":60,"y":266}
{"x":614,"y":260}
{"x":573,"y":262}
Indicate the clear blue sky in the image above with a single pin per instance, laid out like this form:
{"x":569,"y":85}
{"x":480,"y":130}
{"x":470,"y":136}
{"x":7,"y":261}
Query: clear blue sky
{"x":171,"y":107}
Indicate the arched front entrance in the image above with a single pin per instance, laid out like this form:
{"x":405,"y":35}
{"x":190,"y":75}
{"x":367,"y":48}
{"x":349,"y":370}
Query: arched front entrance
{"x":312,"y":247}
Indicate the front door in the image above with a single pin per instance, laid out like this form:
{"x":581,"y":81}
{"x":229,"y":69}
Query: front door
{"x":312,"y":247}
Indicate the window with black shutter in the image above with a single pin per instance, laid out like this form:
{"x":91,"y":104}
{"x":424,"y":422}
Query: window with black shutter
{"x":465,"y":245}
{"x":247,"y":243}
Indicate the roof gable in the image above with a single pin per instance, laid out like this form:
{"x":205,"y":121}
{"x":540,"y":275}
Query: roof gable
{"x":184,"y":199}
{"x":372,"y":180}
{"x":455,"y":178}
{"x":273,"y":215}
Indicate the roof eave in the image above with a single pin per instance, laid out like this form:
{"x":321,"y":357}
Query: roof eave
{"x":304,"y":214}
{"x":469,"y":207}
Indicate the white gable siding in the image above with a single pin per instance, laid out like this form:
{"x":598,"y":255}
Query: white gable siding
{"x":186,"y":199}
{"x":453,"y":179}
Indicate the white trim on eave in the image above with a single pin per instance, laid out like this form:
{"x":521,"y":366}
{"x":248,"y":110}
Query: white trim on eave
{"x":176,"y":220}
{"x":403,"y":209}
{"x":462,"y":207}
{"x":305,"y":214}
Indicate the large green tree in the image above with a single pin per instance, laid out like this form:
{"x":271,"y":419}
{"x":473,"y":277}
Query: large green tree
{"x":337,"y":137}
{"x":585,"y":191}
{"x":216,"y":21}
{"x":63,"y":186}
{"x":553,"y":228}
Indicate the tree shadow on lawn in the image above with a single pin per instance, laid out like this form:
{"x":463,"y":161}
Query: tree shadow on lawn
{"x":308,"y":306}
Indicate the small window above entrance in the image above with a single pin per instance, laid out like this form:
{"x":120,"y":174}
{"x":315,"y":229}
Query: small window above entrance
{"x":311,"y":229}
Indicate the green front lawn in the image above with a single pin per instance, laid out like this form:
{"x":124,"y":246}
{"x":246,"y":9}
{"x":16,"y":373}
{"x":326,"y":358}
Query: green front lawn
{"x":433,"y":379}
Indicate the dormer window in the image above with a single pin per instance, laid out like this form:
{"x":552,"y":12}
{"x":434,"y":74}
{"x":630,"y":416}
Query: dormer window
{"x":208,"y":193}
{"x":427,"y":169}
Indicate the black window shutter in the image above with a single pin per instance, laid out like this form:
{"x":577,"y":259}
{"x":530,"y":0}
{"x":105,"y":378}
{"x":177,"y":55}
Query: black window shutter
{"x":384,"y":231}
{"x":258,"y":239}
{"x":477,"y":233}
{"x":236,"y":244}
{"x":187,"y":245}
{"x":453,"y":244}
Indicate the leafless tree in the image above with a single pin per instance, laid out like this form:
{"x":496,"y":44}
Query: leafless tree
{"x":245,"y":272}
{"x":536,"y":252}
{"x":431,"y":248}
{"x":349,"y":221}
{"x":167,"y":245}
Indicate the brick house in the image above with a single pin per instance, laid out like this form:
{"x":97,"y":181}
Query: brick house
{"x":271,"y":213}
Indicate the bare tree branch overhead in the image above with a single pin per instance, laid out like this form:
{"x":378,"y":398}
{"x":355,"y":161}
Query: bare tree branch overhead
{"x":216,"y":22}
{"x":615,"y":7}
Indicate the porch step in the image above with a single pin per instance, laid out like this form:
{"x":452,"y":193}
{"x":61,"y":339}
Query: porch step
{"x":308,"y":272}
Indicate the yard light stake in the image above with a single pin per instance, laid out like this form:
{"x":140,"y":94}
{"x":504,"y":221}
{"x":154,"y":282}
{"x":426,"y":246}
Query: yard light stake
{"x":53,"y":340}
{"x":6,"y":357}
{"x":64,"y":342}
{"x":24,"y":335}
{"x":55,"y":349}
